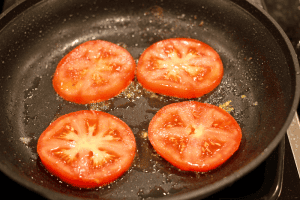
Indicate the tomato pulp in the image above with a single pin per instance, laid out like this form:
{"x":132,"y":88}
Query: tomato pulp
{"x":87,"y":148}
{"x":94,"y":71}
{"x":194,"y":136}
{"x":180,"y":67}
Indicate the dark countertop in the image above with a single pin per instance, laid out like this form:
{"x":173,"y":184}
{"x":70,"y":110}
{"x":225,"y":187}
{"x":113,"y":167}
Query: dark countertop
{"x":287,"y":14}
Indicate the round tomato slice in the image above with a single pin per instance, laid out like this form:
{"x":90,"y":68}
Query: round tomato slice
{"x":180,"y":67}
{"x":194,"y":136}
{"x":87,"y":148}
{"x":94,"y":71}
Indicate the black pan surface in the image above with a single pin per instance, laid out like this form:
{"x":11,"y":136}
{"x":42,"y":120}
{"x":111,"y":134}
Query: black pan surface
{"x":261,"y":83}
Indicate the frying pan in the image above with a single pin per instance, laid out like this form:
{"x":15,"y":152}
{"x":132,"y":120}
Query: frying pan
{"x":261,"y":82}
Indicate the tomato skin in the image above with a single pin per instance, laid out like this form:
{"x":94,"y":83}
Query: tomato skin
{"x":94,"y":71}
{"x":82,"y":170}
{"x":194,"y":136}
{"x":180,"y":67}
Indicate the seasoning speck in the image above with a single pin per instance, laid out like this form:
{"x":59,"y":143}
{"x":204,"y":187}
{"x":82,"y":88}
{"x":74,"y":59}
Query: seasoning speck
{"x":25,"y":140}
{"x":226,"y":106}
{"x":201,"y":23}
{"x":144,"y":134}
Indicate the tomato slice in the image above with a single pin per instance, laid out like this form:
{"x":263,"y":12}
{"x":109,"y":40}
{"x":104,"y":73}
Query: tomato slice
{"x":94,"y":71}
{"x":194,"y":136}
{"x":87,"y":148}
{"x":180,"y":67}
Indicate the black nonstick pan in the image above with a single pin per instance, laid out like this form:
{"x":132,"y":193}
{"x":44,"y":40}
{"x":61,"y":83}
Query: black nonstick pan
{"x":261,"y":85}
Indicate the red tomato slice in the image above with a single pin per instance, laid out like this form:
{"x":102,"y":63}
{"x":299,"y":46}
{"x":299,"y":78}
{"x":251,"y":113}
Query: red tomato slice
{"x":94,"y":71}
{"x":87,"y":148}
{"x":180,"y":67}
{"x":194,"y":136}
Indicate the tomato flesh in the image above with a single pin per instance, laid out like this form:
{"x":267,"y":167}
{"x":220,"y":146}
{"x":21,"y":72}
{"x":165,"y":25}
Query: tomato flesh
{"x":87,"y":148}
{"x":180,"y":67}
{"x":194,"y":136}
{"x":94,"y":71}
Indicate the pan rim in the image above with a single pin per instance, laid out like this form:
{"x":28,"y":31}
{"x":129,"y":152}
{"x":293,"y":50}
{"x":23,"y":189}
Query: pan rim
{"x":210,"y":189}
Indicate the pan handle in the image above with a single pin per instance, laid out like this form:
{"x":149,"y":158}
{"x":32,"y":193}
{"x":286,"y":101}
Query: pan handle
{"x":293,"y":134}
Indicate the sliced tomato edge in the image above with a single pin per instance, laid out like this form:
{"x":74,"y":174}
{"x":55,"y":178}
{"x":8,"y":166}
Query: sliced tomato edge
{"x":181,"y":164}
{"x":79,"y":100}
{"x":83,"y":182}
{"x":68,"y":177}
{"x":180,"y":93}
{"x":165,"y":90}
